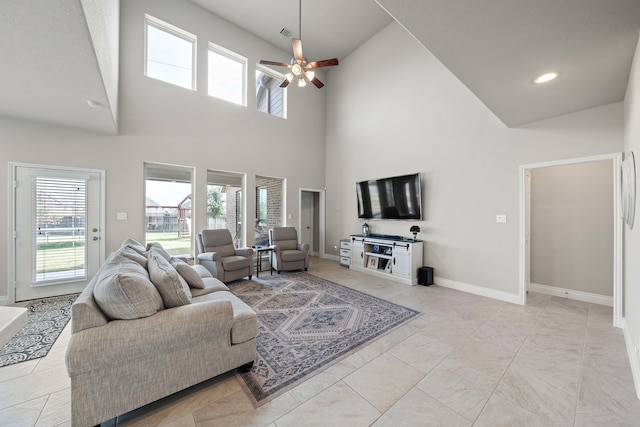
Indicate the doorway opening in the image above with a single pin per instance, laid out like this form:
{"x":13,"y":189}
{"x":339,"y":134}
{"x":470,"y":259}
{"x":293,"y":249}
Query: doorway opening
{"x":311,"y":220}
{"x":525,"y":225}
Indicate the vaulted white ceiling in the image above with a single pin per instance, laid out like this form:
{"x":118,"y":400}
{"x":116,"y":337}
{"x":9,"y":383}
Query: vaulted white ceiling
{"x":57,"y":55}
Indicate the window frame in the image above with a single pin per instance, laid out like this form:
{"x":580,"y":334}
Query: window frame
{"x":234,"y":56}
{"x":177,"y":32}
{"x":276,"y":75}
{"x":170,"y":173}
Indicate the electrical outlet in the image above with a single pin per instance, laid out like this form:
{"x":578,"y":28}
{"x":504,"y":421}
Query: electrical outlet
{"x":122,"y":216}
{"x":501,"y":219}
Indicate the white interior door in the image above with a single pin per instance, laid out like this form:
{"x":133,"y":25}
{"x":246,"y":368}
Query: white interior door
{"x":57,"y":219}
{"x":306,"y":219}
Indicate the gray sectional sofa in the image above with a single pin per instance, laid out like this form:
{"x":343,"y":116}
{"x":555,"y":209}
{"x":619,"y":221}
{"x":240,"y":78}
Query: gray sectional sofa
{"x":147,"y":326}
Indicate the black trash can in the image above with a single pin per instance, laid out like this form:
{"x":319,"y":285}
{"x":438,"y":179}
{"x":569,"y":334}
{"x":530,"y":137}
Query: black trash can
{"x":425,"y":276}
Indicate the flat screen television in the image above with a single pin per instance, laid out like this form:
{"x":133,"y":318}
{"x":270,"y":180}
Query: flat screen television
{"x":398,"y":197}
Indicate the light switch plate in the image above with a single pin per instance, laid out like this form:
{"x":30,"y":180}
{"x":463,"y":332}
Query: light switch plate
{"x":122,"y":216}
{"x":501,"y":219}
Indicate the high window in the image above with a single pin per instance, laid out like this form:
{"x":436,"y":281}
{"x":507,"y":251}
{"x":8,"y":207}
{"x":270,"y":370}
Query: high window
{"x":168,"y":192}
{"x":270,"y":97}
{"x":227,"y":75}
{"x":170,"y":53}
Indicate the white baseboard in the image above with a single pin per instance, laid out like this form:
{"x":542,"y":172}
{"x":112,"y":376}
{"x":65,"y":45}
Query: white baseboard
{"x":634,"y":358}
{"x":478,"y":290}
{"x":4,"y":300}
{"x":332,"y":257}
{"x":572,"y":294}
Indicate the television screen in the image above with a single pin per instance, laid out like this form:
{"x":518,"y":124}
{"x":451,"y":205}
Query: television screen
{"x":398,"y":197}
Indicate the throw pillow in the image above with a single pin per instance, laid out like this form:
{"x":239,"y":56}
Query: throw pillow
{"x":133,"y":255}
{"x":127,"y":295}
{"x":188,"y":273}
{"x":135,"y":245}
{"x":172,"y":287}
{"x":159,"y":249}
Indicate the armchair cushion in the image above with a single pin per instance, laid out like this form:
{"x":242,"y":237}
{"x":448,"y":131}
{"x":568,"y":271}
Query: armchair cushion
{"x":292,"y":255}
{"x":235,"y":262}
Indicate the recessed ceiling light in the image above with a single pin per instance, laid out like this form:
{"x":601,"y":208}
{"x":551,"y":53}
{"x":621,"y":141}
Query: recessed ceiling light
{"x":545,"y":78}
{"x":94,"y":104}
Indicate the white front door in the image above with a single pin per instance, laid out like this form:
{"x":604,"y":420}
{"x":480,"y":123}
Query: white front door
{"x":57,"y":219}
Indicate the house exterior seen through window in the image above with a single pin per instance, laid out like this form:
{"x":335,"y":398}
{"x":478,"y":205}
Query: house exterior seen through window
{"x":227,"y":75}
{"x":270,"y":97}
{"x":168,"y":190}
{"x":169,"y":53}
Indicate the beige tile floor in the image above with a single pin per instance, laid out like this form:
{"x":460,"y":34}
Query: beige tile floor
{"x":465,"y":361}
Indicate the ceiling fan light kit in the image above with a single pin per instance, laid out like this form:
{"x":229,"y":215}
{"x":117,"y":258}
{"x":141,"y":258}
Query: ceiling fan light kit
{"x":299,"y":66}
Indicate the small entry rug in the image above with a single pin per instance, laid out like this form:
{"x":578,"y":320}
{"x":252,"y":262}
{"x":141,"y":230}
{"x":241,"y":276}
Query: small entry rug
{"x":306,"y":324}
{"x":46,"y":318}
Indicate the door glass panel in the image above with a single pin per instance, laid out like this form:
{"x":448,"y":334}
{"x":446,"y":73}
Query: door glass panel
{"x":59,"y":229}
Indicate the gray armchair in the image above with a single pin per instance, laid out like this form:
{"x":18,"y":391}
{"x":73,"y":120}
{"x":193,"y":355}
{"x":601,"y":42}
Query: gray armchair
{"x":218,"y":255}
{"x":288,"y":254}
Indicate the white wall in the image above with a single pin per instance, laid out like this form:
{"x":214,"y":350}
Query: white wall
{"x":572,"y":227}
{"x":392,"y":108}
{"x":632,"y":237}
{"x":160,"y":122}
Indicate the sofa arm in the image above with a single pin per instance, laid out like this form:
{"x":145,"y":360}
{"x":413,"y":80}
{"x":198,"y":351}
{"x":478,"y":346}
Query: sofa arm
{"x":248,"y":252}
{"x":122,"y":340}
{"x":210,"y":256}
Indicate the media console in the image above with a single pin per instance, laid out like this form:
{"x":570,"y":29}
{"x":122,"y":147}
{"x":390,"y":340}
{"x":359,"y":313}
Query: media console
{"x":394,"y":257}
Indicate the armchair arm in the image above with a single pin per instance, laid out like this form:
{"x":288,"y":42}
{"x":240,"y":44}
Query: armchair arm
{"x":123,"y":340}
{"x":248,"y":252}
{"x":210,"y":256}
{"x":304,"y":247}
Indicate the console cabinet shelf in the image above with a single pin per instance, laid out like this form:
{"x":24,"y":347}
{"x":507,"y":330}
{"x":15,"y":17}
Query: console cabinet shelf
{"x":392,"y":257}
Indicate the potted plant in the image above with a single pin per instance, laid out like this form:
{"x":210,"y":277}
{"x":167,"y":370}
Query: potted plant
{"x":415,"y":230}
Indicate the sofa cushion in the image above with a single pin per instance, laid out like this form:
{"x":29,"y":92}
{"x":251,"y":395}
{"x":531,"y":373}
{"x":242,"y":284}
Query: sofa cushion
{"x":173,"y":289}
{"x":159,"y":249}
{"x":187,"y":272}
{"x":211,"y":284}
{"x":245,"y":321}
{"x":235,"y":262}
{"x":123,"y":290}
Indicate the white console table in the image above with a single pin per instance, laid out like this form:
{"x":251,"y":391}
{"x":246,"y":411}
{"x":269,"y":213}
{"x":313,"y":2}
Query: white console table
{"x":393,"y":257}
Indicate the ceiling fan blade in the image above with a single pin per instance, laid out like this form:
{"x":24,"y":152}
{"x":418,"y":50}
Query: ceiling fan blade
{"x":317,"y":82}
{"x":277,"y":64}
{"x":285,"y":83}
{"x":297,"y":49}
{"x":324,"y":63}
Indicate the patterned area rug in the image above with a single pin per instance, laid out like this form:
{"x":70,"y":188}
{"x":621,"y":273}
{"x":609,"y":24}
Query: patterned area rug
{"x":46,"y":319}
{"x":306,"y":324}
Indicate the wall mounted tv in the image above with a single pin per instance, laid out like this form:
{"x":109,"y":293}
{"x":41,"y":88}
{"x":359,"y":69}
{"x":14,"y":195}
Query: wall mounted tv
{"x":398,"y":197}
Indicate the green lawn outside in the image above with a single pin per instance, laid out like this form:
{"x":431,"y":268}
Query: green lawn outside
{"x":170,"y":242}
{"x":62,"y":253}
{"x":59,"y":253}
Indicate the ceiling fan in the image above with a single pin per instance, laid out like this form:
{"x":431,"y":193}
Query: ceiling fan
{"x":299,"y":66}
